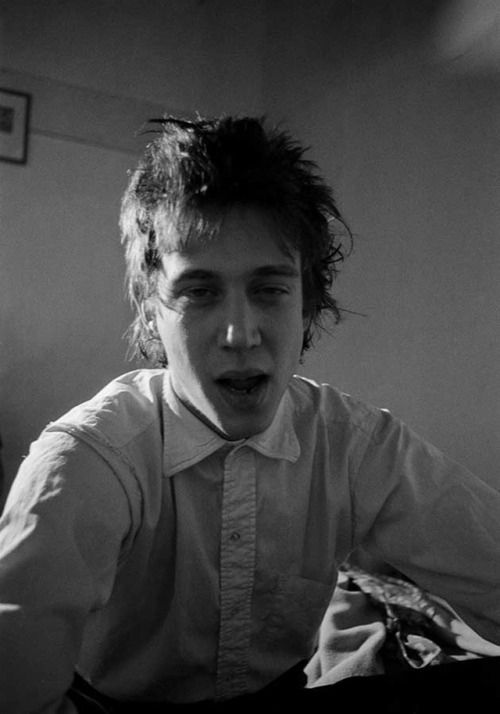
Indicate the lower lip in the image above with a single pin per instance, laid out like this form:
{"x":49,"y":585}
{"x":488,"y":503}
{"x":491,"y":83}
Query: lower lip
{"x":244,"y":401}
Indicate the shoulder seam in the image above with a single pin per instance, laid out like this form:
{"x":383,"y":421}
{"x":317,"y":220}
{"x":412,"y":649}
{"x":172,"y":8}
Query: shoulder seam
{"x":92,"y":441}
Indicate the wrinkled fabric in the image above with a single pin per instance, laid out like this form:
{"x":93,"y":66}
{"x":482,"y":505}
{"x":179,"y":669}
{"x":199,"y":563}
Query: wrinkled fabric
{"x":166,"y":563}
{"x":383,"y":624}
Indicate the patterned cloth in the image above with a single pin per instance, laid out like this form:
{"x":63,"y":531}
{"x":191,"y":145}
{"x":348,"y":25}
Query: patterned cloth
{"x":379,"y":623}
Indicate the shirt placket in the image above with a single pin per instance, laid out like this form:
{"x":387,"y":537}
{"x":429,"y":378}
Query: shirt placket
{"x":237,"y":566}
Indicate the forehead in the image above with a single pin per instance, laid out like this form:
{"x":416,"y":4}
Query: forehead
{"x":246,"y":240}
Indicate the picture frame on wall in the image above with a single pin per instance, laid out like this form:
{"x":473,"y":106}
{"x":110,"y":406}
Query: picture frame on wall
{"x":14,"y":125}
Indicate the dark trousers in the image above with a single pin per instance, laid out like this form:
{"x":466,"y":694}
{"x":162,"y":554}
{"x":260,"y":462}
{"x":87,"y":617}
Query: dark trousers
{"x":471,"y":687}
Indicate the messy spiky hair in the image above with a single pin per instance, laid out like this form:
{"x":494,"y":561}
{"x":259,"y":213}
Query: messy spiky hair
{"x":191,"y":174}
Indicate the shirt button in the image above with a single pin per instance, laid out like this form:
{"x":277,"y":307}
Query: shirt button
{"x":235,"y":536}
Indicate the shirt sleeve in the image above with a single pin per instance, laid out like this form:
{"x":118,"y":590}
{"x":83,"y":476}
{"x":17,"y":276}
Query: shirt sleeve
{"x":61,"y":535}
{"x":433,"y":520}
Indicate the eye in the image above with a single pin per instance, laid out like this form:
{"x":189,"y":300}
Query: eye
{"x":272,"y":291}
{"x":275,"y":290}
{"x":198,"y":293}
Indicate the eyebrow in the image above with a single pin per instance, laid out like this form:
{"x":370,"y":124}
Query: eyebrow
{"x":195,"y":274}
{"x":284,"y":270}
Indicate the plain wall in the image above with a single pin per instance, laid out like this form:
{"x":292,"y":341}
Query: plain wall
{"x":187,"y":55}
{"x":400,"y":102}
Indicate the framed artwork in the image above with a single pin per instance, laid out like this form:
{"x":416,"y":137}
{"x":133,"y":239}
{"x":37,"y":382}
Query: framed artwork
{"x":14,"y":125}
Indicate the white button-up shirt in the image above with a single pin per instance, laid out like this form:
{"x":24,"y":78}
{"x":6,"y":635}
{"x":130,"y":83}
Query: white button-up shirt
{"x":166,"y":563}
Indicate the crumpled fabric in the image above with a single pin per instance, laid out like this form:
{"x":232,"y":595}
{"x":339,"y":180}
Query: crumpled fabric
{"x":379,"y":623}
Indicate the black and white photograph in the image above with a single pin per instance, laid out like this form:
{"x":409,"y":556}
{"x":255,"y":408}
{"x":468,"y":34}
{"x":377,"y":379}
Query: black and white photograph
{"x":249,"y":356}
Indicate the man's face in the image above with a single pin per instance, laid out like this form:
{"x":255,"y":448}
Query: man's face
{"x":230,"y":320}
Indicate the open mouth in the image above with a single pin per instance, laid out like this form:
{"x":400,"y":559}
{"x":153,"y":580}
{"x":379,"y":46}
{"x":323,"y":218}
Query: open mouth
{"x":243,"y":385}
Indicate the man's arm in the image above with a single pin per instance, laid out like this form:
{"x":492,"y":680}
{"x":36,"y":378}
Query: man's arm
{"x":60,"y":538}
{"x":433,"y":520}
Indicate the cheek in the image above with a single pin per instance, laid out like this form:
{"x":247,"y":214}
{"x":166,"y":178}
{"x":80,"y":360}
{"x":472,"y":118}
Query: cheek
{"x":287,"y":336}
{"x":173,"y":334}
{"x":188,"y":344}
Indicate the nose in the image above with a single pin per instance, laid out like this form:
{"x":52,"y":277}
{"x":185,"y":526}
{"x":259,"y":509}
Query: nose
{"x":239,"y":329}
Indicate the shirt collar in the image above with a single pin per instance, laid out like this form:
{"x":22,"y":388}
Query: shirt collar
{"x":188,"y":440}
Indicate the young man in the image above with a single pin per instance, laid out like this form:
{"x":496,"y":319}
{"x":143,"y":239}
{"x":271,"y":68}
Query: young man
{"x":177,"y":538}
